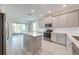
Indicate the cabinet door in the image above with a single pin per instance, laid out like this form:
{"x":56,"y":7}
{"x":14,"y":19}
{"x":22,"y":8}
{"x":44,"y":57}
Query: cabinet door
{"x":41,"y":23}
{"x":48,"y":19}
{"x":37,"y":43}
{"x":53,"y":37}
{"x":55,"y":22}
{"x":59,"y":21}
{"x":72,"y":19}
{"x":75,"y":18}
{"x":62,"y":20}
{"x":61,"y":38}
{"x":69,"y":46}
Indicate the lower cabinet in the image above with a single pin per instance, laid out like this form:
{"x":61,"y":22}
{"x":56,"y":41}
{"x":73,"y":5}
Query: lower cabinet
{"x":63,"y":39}
{"x":69,"y":46}
{"x":53,"y":37}
{"x":72,"y":48}
{"x":59,"y":38}
{"x":75,"y":50}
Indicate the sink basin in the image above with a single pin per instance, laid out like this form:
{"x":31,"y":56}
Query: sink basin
{"x":76,"y":37}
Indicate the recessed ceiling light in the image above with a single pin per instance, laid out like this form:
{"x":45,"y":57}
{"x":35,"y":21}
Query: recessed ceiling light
{"x":40,"y":15}
{"x":32,"y":10}
{"x":64,"y":5}
{"x":49,"y":11}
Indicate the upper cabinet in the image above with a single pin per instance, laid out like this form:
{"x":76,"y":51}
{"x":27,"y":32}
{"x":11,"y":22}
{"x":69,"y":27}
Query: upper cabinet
{"x":55,"y":22}
{"x":59,"y":21}
{"x":41,"y":23}
{"x":72,"y":19}
{"x":67,"y":20}
{"x":62,"y":21}
{"x":48,"y":20}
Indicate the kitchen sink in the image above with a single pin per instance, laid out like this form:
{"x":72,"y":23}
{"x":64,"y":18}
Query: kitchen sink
{"x":76,"y":37}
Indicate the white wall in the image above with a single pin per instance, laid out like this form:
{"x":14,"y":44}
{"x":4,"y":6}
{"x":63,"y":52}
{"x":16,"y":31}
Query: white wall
{"x":30,"y":27}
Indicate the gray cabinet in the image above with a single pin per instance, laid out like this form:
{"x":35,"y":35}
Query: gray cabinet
{"x":59,"y":38}
{"x":59,"y":21}
{"x":32,"y":44}
{"x":53,"y":37}
{"x":55,"y":22}
{"x":69,"y":46}
{"x":72,"y":19}
{"x":62,"y":21}
{"x":67,"y":20}
{"x":41,"y":23}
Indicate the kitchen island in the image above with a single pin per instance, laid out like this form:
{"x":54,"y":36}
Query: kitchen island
{"x":32,"y":42}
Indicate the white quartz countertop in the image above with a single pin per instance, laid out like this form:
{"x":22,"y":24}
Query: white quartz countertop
{"x":34,"y":34}
{"x":76,"y":42}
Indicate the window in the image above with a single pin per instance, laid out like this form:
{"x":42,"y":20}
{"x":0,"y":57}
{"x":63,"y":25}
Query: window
{"x":18,"y":28}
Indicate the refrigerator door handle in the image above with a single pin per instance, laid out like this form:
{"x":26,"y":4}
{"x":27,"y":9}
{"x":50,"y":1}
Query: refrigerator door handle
{"x":8,"y":31}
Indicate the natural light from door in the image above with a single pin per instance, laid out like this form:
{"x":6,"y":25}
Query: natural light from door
{"x":18,"y":28}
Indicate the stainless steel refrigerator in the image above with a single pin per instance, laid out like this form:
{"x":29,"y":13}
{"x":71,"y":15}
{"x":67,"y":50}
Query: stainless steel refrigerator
{"x":2,"y":34}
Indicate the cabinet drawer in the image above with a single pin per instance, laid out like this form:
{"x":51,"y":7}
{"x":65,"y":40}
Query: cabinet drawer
{"x":61,"y":38}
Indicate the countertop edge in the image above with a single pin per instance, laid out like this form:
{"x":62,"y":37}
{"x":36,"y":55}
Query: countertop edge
{"x":29,"y":34}
{"x":73,"y":40}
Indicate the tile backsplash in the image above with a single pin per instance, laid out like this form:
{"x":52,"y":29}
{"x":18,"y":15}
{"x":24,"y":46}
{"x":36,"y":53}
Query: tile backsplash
{"x":70,"y":29}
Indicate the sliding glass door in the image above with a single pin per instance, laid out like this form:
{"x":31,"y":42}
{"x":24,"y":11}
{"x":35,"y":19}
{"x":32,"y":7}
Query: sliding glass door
{"x":18,"y":28}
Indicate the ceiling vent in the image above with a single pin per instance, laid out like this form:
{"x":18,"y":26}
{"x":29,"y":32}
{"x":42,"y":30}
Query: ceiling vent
{"x":30,"y":14}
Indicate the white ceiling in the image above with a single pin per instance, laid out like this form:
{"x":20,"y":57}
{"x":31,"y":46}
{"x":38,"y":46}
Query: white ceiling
{"x":19,"y":12}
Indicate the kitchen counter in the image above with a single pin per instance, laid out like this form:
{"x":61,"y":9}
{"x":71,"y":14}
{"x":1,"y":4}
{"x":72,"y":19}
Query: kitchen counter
{"x":34,"y":34}
{"x":76,"y":42}
{"x":70,"y":35}
{"x":32,"y":42}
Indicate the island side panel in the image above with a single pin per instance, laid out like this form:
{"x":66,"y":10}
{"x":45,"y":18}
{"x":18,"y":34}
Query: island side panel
{"x":32,"y":44}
